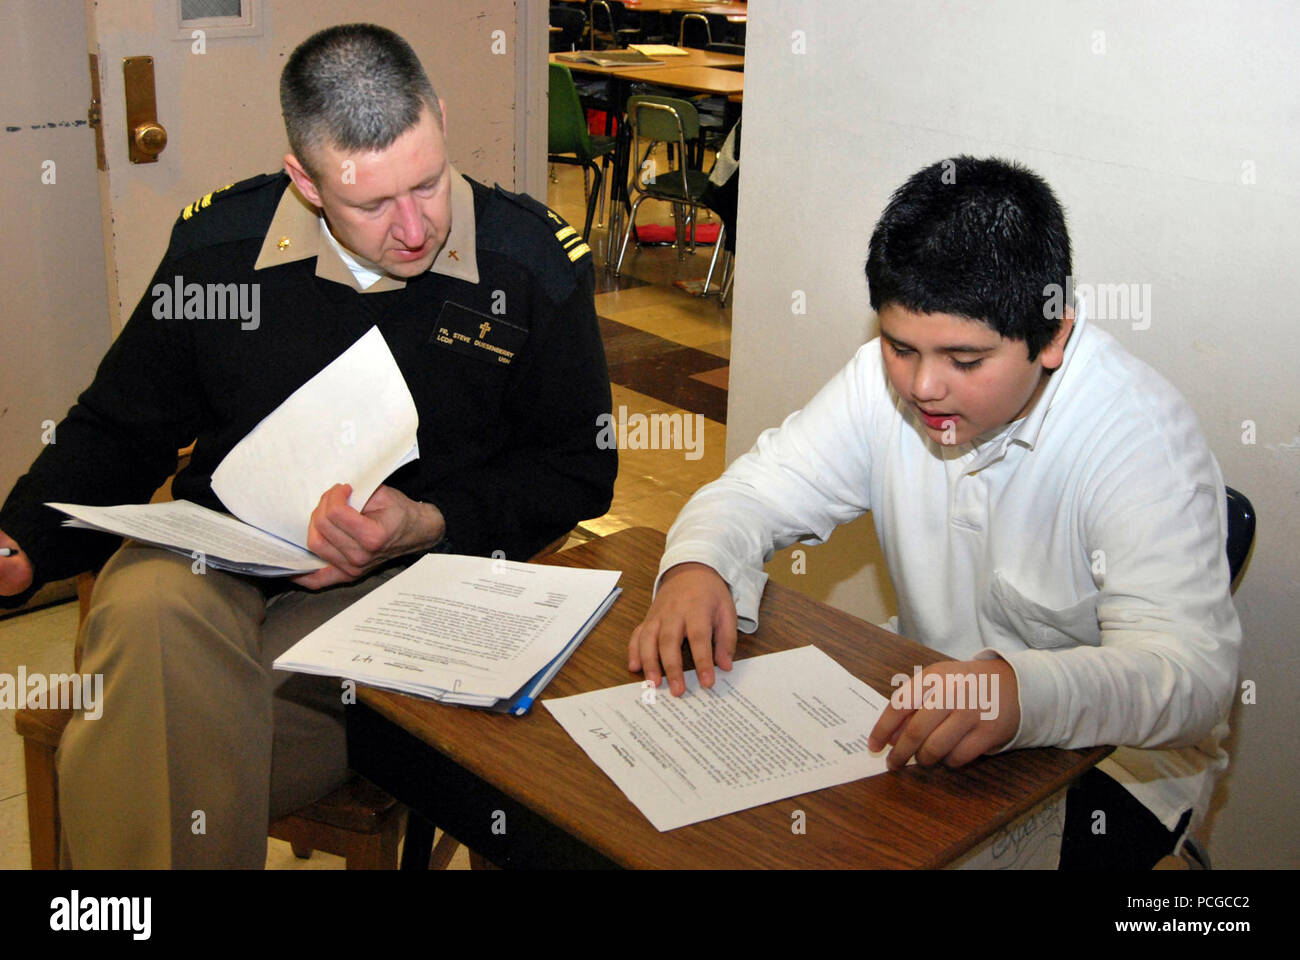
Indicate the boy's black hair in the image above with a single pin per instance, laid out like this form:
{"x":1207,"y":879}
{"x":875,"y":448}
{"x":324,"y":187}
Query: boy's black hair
{"x":982,"y":239}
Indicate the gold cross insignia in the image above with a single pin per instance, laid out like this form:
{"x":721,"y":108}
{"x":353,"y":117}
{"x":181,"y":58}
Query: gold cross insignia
{"x":282,"y":243}
{"x":483,"y":328}
{"x":453,"y":255}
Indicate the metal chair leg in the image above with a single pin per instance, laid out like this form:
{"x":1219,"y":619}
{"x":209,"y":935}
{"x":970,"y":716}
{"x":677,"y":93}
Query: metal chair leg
{"x":612,"y":233}
{"x":600,"y":217}
{"x":591,"y":199}
{"x":713,"y":261}
{"x":627,"y":234}
{"x":726,"y":287}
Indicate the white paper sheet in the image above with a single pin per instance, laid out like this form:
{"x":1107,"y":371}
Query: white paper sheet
{"x":354,"y":422}
{"x":188,"y":528}
{"x":772,"y":727}
{"x":477,"y":627}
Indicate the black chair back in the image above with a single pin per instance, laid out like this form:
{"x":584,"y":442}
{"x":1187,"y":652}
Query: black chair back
{"x":695,"y":32}
{"x":625,"y":19}
{"x":1241,"y":531}
{"x":572,"y":24}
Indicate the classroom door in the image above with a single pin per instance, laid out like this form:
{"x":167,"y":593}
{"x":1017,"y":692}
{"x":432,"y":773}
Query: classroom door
{"x":216,"y":67}
{"x":53,"y":322}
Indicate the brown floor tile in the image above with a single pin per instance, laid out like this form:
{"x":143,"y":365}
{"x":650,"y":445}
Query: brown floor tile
{"x":714,"y":378}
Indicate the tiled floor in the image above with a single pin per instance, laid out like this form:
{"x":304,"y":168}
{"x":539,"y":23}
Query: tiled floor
{"x":668,"y":355}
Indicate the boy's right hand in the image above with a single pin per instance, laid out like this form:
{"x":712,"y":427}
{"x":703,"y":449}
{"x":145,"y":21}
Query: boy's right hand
{"x":16,"y":571}
{"x":694,"y":604}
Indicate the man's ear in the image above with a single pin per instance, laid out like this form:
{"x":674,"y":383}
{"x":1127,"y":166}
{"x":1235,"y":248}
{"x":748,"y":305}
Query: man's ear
{"x":301,"y":179}
{"x":1053,"y":355}
{"x":442,"y":111}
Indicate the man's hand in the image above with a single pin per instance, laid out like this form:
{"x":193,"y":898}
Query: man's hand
{"x":389,"y":525}
{"x":15,"y":572}
{"x":933,"y":730}
{"x":693,"y":603}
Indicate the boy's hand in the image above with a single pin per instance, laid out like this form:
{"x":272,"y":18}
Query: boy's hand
{"x":15,"y":572}
{"x":693,"y":603}
{"x":355,"y":542}
{"x":942,"y":733}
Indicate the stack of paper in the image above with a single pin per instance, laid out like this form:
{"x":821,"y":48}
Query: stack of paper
{"x":465,"y":630}
{"x":658,"y":49}
{"x":610,"y":58}
{"x":184,"y":527}
{"x":354,"y":422}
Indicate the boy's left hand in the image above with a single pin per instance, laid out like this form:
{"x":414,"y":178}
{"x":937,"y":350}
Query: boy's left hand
{"x":941,"y":733}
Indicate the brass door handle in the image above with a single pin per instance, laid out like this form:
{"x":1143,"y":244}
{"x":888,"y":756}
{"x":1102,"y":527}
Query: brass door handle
{"x":149,"y":138}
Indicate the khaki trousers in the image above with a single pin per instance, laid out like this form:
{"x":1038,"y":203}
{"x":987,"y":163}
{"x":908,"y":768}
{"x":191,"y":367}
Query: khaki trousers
{"x":200,"y":743}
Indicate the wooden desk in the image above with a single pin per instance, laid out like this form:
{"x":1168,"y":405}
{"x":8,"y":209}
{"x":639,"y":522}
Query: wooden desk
{"x":692,"y":58}
{"x":711,"y":80}
{"x":459,"y":767}
{"x":730,"y":8}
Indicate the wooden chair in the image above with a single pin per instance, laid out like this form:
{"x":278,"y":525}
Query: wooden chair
{"x":358,"y":821}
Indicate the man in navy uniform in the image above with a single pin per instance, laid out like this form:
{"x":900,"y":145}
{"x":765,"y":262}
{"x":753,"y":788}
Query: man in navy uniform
{"x":200,"y":743}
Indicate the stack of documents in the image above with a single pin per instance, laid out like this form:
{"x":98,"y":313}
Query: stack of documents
{"x":466,"y":630}
{"x":354,"y":422}
{"x":610,"y":58}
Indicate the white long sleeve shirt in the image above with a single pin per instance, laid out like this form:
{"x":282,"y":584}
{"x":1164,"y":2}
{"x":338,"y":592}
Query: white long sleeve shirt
{"x":1082,"y":543}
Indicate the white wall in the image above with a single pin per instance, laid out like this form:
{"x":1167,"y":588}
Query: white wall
{"x":1171,"y":132}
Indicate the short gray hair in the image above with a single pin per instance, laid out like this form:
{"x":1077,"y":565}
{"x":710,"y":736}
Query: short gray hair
{"x":353,"y":87}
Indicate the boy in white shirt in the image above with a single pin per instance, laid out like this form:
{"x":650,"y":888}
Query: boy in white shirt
{"x":1048,"y":508}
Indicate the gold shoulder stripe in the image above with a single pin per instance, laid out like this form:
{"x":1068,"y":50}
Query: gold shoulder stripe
{"x":202,"y":202}
{"x":575,"y":239}
{"x":577,"y":252}
{"x":564,"y":232}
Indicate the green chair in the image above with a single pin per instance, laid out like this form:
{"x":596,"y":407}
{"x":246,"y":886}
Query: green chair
{"x":567,"y":134}
{"x":675,"y":122}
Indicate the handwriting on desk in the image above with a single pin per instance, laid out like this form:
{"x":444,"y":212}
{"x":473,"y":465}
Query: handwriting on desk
{"x":1015,"y":845}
